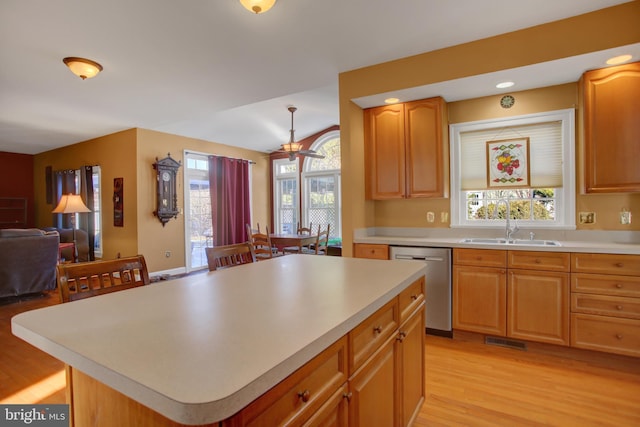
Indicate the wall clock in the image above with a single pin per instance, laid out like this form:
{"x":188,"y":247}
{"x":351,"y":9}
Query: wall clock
{"x":166,"y":182}
{"x":507,"y":101}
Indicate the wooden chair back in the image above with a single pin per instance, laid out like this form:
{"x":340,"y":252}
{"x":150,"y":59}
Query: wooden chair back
{"x":219,"y":257}
{"x":261,"y":243}
{"x":305,"y":230}
{"x":88,"y":279}
{"x":322,"y":242}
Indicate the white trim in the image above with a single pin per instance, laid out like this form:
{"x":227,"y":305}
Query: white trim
{"x":566,"y":195}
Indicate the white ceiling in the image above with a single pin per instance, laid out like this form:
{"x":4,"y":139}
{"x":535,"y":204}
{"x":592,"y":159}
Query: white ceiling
{"x":209,"y":69}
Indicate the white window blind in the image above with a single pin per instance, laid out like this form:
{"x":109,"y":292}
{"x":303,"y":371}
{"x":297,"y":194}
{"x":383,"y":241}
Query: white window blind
{"x":545,"y":154}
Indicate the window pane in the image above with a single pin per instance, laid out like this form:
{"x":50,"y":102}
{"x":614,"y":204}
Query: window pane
{"x":201,"y":235}
{"x":322,"y":202}
{"x":287,"y":202}
{"x":524,"y":204}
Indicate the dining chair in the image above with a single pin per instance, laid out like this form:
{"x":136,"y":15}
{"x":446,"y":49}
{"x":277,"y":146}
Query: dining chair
{"x":225,"y":256}
{"x":88,"y":279}
{"x":320,"y":247}
{"x":298,"y":249}
{"x":261,"y":243}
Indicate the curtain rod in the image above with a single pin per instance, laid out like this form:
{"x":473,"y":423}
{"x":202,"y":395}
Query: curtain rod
{"x":215,"y":155}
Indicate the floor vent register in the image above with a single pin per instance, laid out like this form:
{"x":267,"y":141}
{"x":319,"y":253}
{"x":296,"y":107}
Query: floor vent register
{"x":502,"y":342}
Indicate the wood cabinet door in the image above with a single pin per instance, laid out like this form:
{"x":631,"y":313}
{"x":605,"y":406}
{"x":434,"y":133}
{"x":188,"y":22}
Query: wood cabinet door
{"x":384,"y":152}
{"x":612,"y":129}
{"x":480,"y":299}
{"x":372,"y":389}
{"x":411,"y":370}
{"x":427,"y":164}
{"x":538,"y":306}
{"x":334,"y":413}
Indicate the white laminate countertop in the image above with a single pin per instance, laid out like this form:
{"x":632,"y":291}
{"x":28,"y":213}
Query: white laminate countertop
{"x":613,"y":243}
{"x":200,"y":348}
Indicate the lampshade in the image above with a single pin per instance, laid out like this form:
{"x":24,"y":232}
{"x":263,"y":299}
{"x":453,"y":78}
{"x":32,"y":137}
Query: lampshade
{"x":83,"y":68}
{"x":71,"y":203}
{"x":258,"y":6}
{"x":292,"y":147}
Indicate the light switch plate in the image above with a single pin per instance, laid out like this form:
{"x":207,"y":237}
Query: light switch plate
{"x":587,"y":217}
{"x":625,"y":217}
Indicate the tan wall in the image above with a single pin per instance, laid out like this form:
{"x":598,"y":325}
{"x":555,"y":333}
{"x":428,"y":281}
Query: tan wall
{"x":130,"y":155}
{"x":154,"y":239}
{"x":115,"y":154}
{"x":604,"y":29}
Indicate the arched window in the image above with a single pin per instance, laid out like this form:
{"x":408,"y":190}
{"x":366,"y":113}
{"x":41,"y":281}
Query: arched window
{"x":321,"y":203}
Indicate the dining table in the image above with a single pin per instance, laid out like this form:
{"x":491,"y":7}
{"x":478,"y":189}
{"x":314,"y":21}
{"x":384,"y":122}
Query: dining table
{"x":285,"y":240}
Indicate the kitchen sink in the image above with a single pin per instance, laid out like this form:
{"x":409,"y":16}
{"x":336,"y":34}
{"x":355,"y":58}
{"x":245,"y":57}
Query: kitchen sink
{"x":514,"y":242}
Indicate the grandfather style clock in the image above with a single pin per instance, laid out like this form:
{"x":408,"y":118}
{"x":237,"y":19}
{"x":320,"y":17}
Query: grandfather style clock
{"x":166,"y":180}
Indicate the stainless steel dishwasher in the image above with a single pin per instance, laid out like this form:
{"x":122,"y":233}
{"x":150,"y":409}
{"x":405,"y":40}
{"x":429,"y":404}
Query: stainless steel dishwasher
{"x":438,"y":285}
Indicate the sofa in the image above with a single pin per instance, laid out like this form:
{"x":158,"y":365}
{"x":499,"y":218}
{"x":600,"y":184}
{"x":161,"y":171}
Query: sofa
{"x":28,"y":259}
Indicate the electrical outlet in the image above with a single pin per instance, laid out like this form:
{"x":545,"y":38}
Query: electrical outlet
{"x":587,"y":217}
{"x":625,"y":217}
{"x":167,"y":254}
{"x":444,"y":216}
{"x":431,"y":217}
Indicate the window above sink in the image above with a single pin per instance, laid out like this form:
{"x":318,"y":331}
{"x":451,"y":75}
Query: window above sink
{"x":512,"y":242}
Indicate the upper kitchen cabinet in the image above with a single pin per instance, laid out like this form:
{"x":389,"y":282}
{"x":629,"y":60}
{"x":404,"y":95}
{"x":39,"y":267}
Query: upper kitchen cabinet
{"x":406,"y":151}
{"x":612,"y":129}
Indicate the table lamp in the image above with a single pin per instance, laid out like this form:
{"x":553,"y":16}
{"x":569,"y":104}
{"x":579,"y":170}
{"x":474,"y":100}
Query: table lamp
{"x":71,"y":204}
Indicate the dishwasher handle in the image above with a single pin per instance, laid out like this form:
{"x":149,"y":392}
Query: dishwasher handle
{"x":419,"y":258}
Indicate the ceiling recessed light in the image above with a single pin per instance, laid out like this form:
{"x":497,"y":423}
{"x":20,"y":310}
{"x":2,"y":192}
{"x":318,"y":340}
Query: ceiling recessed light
{"x":504,"y":85}
{"x":391,"y":100}
{"x":618,"y":59}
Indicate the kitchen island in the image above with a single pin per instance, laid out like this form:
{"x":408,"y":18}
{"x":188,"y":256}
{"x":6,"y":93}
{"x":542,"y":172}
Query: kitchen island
{"x":197,"y":350}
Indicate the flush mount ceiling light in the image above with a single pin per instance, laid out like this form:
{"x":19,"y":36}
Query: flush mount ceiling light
{"x":618,"y":59}
{"x":503,"y":85}
{"x":391,"y":100}
{"x":83,"y":68}
{"x":258,"y":6}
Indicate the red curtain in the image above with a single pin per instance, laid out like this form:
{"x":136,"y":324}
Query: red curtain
{"x":229,"y":188}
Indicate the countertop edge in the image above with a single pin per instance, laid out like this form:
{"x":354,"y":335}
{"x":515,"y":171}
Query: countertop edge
{"x":209,"y":412}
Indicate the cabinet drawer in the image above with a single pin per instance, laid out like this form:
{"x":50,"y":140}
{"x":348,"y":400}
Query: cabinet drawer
{"x":373,"y":251}
{"x":300,"y":395}
{"x":411,"y":298}
{"x":604,"y":333}
{"x":606,"y":305}
{"x":480,"y":257}
{"x":550,"y":261}
{"x":624,"y":265}
{"x":369,"y":335}
{"x":626,"y":286}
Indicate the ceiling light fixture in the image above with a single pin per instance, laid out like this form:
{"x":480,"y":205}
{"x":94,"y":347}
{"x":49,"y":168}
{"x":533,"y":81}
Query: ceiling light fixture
{"x":258,"y":6}
{"x":504,"y":85}
{"x":83,"y":68}
{"x":391,"y":100}
{"x":618,"y":59}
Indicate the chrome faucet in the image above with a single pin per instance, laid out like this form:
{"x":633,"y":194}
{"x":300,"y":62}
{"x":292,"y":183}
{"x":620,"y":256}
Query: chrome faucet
{"x":509,"y":231}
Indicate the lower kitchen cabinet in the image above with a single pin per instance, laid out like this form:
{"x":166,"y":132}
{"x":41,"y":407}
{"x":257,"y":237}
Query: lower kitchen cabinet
{"x":411,"y":369}
{"x":538,"y":306}
{"x":523,"y":295}
{"x":605,"y":303}
{"x":480,"y":299}
{"x":371,"y":389}
{"x":370,"y":250}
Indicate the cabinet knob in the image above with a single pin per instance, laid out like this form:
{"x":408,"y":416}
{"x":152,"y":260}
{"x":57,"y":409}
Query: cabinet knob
{"x":304,"y":395}
{"x":618,"y":307}
{"x":401,"y":336}
{"x":377,"y":329}
{"x":414,"y":297}
{"x":619,"y":264}
{"x":538,"y":261}
{"x":347,"y":396}
{"x":619,"y":285}
{"x":619,"y":336}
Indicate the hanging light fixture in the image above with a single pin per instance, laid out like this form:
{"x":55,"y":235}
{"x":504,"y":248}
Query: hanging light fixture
{"x":83,"y":68}
{"x":293,"y":148}
{"x":258,"y":6}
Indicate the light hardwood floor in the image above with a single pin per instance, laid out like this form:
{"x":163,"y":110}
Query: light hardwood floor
{"x":468,"y":383}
